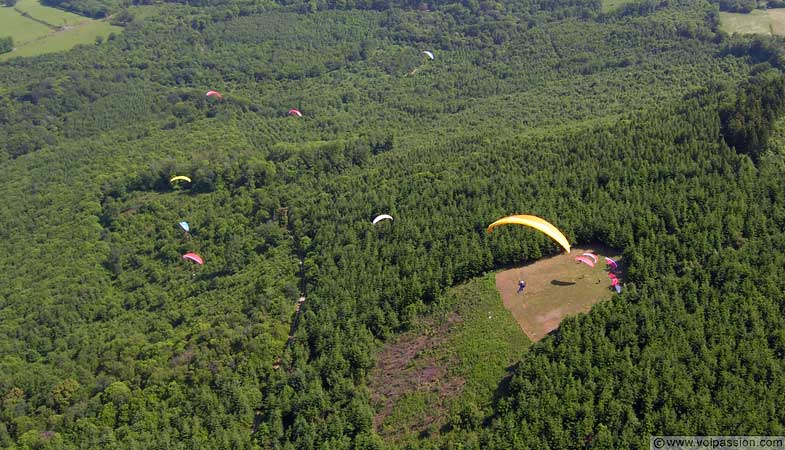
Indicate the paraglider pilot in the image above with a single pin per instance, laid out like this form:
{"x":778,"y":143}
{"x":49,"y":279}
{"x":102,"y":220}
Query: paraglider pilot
{"x":521,"y":285}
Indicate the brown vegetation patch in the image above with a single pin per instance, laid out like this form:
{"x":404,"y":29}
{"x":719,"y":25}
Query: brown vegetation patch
{"x":407,"y":366}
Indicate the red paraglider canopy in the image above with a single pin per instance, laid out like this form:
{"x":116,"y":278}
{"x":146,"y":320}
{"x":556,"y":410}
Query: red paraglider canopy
{"x":294,"y":112}
{"x":215,"y":94}
{"x":194,"y":257}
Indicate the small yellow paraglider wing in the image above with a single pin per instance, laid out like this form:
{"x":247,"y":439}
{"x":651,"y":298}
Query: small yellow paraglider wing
{"x":536,"y":223}
{"x":180,"y":177}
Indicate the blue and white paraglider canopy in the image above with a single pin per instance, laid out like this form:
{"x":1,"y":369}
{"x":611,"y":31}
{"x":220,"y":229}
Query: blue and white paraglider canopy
{"x":184,"y":226}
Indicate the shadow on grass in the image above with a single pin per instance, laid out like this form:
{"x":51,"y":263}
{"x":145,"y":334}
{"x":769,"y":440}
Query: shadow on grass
{"x":501,"y":392}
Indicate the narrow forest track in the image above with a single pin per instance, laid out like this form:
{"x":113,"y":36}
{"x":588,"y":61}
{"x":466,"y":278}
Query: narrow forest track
{"x":258,"y":417}
{"x":292,"y":329}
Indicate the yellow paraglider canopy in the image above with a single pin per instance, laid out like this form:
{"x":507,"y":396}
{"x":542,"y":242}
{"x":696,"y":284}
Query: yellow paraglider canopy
{"x":536,"y":223}
{"x":180,"y":177}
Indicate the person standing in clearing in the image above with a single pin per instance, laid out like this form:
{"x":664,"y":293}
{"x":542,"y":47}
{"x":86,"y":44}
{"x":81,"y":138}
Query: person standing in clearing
{"x":521,"y":285}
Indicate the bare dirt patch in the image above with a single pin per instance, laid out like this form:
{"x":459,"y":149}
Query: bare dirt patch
{"x":556,"y":287}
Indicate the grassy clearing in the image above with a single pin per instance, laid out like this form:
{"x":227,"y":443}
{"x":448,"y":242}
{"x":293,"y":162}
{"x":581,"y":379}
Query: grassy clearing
{"x":444,"y":375}
{"x":19,"y":27}
{"x":756,"y":22}
{"x":556,"y":287}
{"x":53,"y":16}
{"x":447,"y":372}
{"x":65,"y":40}
{"x":33,"y":38}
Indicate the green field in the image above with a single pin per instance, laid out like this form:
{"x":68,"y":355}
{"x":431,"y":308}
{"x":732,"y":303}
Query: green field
{"x":53,"y":16}
{"x":19,"y":27}
{"x":64,"y":40}
{"x":64,"y":30}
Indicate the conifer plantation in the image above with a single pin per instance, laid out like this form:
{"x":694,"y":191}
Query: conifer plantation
{"x":644,"y":128}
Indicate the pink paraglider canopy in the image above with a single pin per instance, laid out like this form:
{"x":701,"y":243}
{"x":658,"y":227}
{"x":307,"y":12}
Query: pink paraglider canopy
{"x":194,"y":257}
{"x":585,"y":260}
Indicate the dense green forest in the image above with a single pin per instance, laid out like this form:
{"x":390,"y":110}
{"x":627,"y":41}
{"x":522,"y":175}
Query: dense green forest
{"x":746,"y":6}
{"x":645,"y":129}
